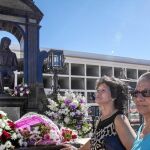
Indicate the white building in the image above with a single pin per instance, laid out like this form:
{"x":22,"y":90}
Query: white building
{"x":83,"y":69}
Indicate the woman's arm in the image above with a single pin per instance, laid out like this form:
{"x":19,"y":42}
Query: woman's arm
{"x":125,"y":131}
{"x":86,"y":146}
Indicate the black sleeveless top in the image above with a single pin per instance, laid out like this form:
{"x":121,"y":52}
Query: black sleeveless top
{"x":105,"y":136}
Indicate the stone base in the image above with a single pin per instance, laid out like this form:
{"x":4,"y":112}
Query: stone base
{"x":13,"y":113}
{"x":14,"y":106}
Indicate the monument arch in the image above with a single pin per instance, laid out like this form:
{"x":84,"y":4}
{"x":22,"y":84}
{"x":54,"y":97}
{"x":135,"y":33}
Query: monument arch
{"x":22,"y":18}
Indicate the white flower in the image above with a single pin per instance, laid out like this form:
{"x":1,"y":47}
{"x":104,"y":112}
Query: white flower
{"x":72,"y":114}
{"x":62,"y":105}
{"x":15,"y":92}
{"x":1,"y":131}
{"x":2,"y":124}
{"x":2,"y":113}
{"x":21,"y":94}
{"x":18,"y":134}
{"x":75,"y":102}
{"x":25,"y":144}
{"x":66,"y":120}
{"x":66,"y":111}
{"x":14,"y":136}
{"x":25,"y":85}
{"x":27,"y":92}
{"x":60,"y":111}
{"x":7,"y":127}
{"x":2,"y":147}
{"x":20,"y":142}
{"x":21,"y":89}
{"x":8,"y":145}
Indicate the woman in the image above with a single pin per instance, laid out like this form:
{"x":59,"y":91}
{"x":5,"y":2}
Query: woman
{"x":141,"y":97}
{"x":113,"y":131}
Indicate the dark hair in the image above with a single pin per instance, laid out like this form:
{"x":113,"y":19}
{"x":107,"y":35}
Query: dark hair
{"x":119,"y":91}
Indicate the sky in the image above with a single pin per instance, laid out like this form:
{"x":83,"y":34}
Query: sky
{"x":111,"y":27}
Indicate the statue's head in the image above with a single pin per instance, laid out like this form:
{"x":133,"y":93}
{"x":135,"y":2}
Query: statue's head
{"x":5,"y":42}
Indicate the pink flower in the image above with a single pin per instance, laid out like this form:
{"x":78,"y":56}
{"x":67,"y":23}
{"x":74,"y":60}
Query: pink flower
{"x":47,"y":137}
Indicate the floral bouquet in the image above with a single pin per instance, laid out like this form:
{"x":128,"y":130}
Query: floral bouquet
{"x":31,"y":130}
{"x":21,"y":90}
{"x":70,"y":111}
{"x":68,"y":134}
{"x":8,"y":134}
{"x":36,"y":129}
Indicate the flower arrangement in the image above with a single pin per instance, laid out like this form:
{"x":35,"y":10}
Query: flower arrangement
{"x":31,"y":130}
{"x":8,"y":134}
{"x":35,"y":129}
{"x":35,"y":135}
{"x":70,"y":111}
{"x":21,"y":90}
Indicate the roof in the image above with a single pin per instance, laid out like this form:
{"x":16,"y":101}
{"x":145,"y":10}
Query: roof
{"x":22,"y":8}
{"x":102,"y":57}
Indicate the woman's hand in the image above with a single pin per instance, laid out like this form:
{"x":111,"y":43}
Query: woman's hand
{"x":68,"y":147}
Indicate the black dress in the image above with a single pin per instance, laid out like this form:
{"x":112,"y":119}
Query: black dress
{"x":105,"y":136}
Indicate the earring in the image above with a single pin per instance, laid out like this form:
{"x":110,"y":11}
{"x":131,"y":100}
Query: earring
{"x":113,"y":99}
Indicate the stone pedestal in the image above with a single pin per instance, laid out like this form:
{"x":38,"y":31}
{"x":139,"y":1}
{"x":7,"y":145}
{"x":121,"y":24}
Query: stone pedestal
{"x":15,"y":107}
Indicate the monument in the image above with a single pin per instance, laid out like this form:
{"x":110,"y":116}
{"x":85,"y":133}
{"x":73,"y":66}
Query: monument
{"x":22,"y":19}
{"x":8,"y":64}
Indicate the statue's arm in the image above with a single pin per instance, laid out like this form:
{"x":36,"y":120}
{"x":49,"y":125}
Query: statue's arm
{"x":14,"y":63}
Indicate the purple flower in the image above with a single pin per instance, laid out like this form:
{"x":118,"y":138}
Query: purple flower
{"x":78,"y":126}
{"x":81,"y":101}
{"x":67,"y":101}
{"x":73,"y":106}
{"x":21,"y":90}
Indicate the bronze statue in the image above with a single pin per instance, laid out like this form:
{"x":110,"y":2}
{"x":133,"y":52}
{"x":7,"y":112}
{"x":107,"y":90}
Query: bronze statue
{"x":8,"y":63}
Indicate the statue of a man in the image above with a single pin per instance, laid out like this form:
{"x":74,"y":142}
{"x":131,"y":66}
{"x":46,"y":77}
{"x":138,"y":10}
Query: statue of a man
{"x":8,"y":63}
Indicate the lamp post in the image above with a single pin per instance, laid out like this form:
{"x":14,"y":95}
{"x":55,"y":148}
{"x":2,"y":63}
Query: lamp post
{"x":55,"y":63}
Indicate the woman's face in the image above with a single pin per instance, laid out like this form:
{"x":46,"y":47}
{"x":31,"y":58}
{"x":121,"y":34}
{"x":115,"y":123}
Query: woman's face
{"x":103,"y":95}
{"x":142,"y":98}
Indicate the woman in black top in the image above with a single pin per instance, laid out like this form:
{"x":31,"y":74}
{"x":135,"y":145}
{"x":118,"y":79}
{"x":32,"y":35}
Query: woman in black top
{"x":113,"y":131}
{"x":105,"y":136}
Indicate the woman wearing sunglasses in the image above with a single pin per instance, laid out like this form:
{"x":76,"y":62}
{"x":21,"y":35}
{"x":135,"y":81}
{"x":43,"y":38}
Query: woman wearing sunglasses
{"x":141,"y":97}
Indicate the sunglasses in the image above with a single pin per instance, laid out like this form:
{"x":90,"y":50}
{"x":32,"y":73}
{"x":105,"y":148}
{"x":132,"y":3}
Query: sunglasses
{"x":144,"y":93}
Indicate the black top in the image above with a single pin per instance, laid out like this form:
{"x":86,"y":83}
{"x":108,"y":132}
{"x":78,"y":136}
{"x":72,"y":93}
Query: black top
{"x":105,"y":136}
